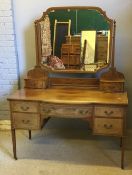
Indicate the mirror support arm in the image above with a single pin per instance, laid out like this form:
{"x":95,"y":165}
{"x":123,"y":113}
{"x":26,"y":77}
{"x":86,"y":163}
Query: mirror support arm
{"x":113,"y":44}
{"x":38,"y":43}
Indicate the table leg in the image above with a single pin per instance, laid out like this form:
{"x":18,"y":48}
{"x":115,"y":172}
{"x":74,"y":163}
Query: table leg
{"x":122,"y":152}
{"x":120,"y":141}
{"x":29,"y":134}
{"x":14,"y":142}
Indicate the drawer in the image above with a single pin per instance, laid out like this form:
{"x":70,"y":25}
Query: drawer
{"x":75,"y":49}
{"x":66,"y":111}
{"x":26,"y":121}
{"x":108,"y":126}
{"x":102,"y":38}
{"x":65,"y":49}
{"x":24,"y":106}
{"x":65,"y":59}
{"x":74,"y":60}
{"x":35,"y":83}
{"x":112,"y":86}
{"x":73,"y":39}
{"x":102,"y":54}
{"x":108,"y":111}
{"x":102,"y":47}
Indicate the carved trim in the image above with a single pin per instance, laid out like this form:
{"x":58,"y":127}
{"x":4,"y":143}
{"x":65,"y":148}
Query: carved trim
{"x":75,"y":7}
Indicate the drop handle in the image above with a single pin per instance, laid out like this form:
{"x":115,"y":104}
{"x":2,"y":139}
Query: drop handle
{"x":26,"y":121}
{"x":108,"y":126}
{"x":46,"y":110}
{"x":108,"y":112}
{"x":83,"y":112}
{"x":24,"y":108}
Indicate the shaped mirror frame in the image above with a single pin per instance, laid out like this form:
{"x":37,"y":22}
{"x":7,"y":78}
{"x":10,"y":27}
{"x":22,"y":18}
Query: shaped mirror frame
{"x":76,"y":25}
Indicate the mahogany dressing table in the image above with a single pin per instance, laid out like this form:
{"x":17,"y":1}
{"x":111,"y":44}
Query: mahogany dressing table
{"x":82,"y":82}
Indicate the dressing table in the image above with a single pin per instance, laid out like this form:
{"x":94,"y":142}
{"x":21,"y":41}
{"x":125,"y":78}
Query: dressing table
{"x":85,"y":85}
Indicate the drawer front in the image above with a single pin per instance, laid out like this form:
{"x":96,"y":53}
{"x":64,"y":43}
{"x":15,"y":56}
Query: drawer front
{"x":75,"y":49}
{"x":26,"y":121}
{"x":36,"y":84}
{"x":74,"y":60}
{"x":65,"y":49}
{"x":65,"y":59}
{"x":108,"y":126}
{"x":112,"y":87}
{"x":66,"y":111}
{"x":107,"y":111}
{"x":24,"y":106}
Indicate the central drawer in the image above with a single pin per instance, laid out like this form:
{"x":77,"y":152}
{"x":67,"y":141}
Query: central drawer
{"x":66,"y":111}
{"x":26,"y":121}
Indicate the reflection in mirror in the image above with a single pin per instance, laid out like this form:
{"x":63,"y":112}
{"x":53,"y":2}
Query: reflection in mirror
{"x":80,"y":39}
{"x":45,"y":39}
{"x":88,"y":43}
{"x":94,"y":50}
{"x":61,"y":29}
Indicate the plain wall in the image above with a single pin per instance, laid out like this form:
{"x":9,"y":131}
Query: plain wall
{"x":27,"y":11}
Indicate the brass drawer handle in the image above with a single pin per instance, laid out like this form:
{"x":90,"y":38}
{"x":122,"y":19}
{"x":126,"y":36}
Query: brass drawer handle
{"x":108,"y":113}
{"x":24,"y":108}
{"x":86,"y":112}
{"x":26,"y":121}
{"x":83,"y":112}
{"x":47,"y":110}
{"x":108,"y":126}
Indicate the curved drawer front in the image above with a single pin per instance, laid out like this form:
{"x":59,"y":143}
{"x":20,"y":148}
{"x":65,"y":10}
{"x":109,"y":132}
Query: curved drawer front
{"x":26,"y":121}
{"x":66,"y":111}
{"x":108,"y":126}
{"x":24,"y":106}
{"x":109,"y":111}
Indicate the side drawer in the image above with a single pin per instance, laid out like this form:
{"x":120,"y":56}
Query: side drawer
{"x":106,"y":126}
{"x":109,"y":111}
{"x":66,"y":111}
{"x":112,"y":86}
{"x":24,"y":106}
{"x":26,"y":121}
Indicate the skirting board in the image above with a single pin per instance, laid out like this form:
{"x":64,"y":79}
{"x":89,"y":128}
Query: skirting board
{"x":5,"y":125}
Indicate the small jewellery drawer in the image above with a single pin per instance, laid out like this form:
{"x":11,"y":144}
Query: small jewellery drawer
{"x":24,"y":106}
{"x":65,"y":111}
{"x":109,"y":111}
{"x":108,"y":126}
{"x":26,"y":121}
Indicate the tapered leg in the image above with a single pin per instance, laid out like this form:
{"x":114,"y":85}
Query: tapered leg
{"x":121,"y":142}
{"x":122,"y":152}
{"x":14,"y":142}
{"x":30,"y":134}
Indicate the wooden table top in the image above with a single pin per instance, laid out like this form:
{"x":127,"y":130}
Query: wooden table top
{"x":70,"y":96}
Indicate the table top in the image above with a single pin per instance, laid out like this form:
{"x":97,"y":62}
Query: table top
{"x":70,"y":96}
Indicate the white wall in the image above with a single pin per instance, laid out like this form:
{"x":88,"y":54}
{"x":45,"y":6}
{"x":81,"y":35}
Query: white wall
{"x":26,"y":11}
{"x":8,"y":57}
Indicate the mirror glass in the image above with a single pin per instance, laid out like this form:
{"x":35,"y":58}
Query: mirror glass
{"x":75,"y":39}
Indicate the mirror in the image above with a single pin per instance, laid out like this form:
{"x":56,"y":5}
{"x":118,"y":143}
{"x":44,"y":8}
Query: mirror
{"x":74,"y":39}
